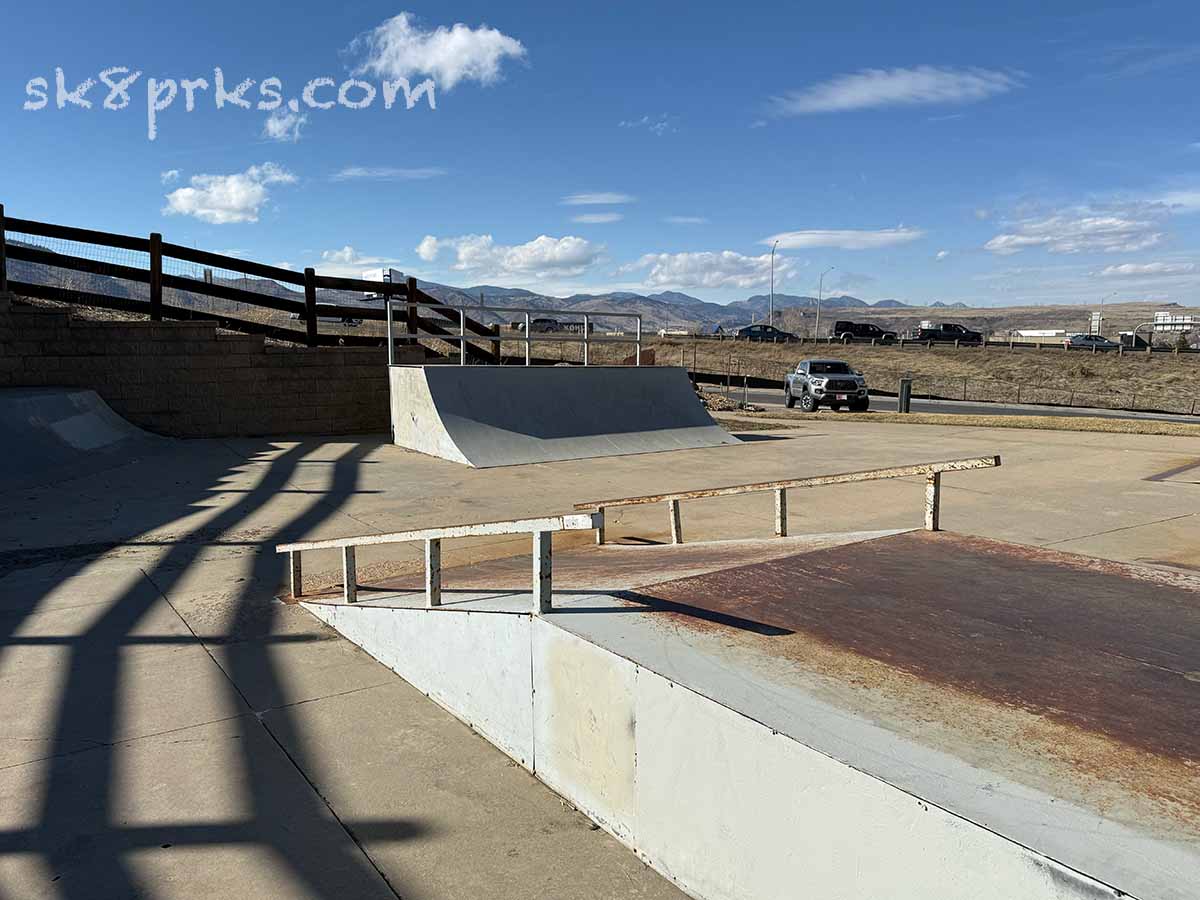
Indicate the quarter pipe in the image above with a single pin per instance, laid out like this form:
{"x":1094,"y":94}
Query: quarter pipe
{"x":53,"y":434}
{"x":487,"y":416}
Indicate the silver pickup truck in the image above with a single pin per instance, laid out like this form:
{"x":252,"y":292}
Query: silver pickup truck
{"x":825,"y":382}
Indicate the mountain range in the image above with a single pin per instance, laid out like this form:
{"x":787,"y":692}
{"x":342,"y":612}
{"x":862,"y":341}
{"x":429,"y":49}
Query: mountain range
{"x":662,"y":310}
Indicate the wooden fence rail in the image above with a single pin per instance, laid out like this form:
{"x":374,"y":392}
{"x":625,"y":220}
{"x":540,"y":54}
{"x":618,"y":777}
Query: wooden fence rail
{"x":308,"y":310}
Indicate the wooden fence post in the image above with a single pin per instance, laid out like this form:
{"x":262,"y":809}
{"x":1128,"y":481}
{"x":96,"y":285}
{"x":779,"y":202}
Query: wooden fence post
{"x":310,"y":307}
{"x":410,"y":311}
{"x":3,"y":255}
{"x":156,"y":277}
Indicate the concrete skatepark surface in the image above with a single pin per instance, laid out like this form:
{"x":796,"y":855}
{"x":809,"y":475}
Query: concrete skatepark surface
{"x":487,"y":416}
{"x":173,"y":731}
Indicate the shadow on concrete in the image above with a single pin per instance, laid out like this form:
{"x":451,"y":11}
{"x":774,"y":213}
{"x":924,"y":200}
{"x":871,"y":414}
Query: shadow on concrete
{"x":81,"y":831}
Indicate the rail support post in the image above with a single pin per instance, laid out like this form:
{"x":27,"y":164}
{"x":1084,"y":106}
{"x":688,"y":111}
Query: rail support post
{"x":543,"y":572}
{"x":781,"y":512}
{"x":600,"y":523}
{"x":349,"y":576}
{"x":433,"y":572}
{"x":310,"y":307}
{"x":410,"y":322}
{"x":156,"y":277}
{"x":933,"y":500}
{"x":297,"y":573}
{"x":676,"y":529}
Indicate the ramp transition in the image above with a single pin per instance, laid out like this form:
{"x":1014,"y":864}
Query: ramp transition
{"x":52,"y":434}
{"x":487,"y":416}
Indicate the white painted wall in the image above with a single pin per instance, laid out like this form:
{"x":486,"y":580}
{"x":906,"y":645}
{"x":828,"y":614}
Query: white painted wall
{"x":723,"y":805}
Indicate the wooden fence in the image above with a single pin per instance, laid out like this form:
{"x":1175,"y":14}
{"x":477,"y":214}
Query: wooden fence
{"x":308,"y":311}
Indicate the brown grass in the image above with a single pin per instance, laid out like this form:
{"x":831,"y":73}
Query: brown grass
{"x":773,"y":420}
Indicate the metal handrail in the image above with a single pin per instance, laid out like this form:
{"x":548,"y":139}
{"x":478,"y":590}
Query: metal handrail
{"x":540,"y":528}
{"x":931,"y":470}
{"x":585,"y":338}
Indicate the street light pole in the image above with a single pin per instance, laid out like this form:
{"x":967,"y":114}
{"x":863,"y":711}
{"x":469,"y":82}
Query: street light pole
{"x":771,"y":302}
{"x":820,"y":296}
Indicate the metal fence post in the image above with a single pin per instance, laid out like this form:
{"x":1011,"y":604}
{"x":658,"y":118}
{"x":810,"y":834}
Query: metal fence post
{"x":543,"y":572}
{"x":349,"y":575}
{"x":585,"y":340}
{"x":600,"y":519}
{"x":781,"y":523}
{"x":3,"y":255}
{"x":462,"y":337}
{"x":933,"y":500}
{"x":310,"y":307}
{"x":637,"y":354}
{"x":156,"y":277}
{"x":391,"y":333}
{"x":676,"y":525}
{"x":433,"y":572}
{"x":297,"y":573}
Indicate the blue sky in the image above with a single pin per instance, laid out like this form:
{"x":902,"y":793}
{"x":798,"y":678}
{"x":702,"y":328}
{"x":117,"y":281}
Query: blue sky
{"x":1024,"y":153}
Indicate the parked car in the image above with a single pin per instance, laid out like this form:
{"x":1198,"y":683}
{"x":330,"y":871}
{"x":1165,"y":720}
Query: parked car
{"x":950,"y":331}
{"x":545,"y":324}
{"x":825,"y":382}
{"x":766,"y":333}
{"x":860,"y":331}
{"x":1090,"y":342}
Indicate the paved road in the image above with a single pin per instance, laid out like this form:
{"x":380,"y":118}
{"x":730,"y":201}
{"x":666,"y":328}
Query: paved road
{"x":888,"y":404}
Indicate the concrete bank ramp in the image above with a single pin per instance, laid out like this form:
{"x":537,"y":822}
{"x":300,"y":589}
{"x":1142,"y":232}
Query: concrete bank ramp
{"x":56,"y":434}
{"x":487,"y":416}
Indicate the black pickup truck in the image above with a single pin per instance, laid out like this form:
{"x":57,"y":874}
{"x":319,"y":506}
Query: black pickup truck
{"x":949,"y":331}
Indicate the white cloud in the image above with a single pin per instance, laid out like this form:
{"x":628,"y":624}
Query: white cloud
{"x":401,"y":49}
{"x":598,"y":218}
{"x":873,"y":88}
{"x":222,"y":199}
{"x":600,"y":198}
{"x":387,"y":173}
{"x":686,"y":220}
{"x":428,"y":248}
{"x":347,"y":262}
{"x":658,"y":125}
{"x":480,"y":255}
{"x":846,"y":239}
{"x":942,"y":254}
{"x":725,"y":269}
{"x":284,"y":125}
{"x":1182,"y":201}
{"x":169,"y":176}
{"x":1156,"y":268}
{"x":1123,"y":228}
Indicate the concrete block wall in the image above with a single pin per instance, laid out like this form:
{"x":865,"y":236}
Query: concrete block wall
{"x":183,"y":379}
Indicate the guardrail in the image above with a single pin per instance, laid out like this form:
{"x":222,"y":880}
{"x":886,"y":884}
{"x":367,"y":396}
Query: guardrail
{"x":933,"y":492}
{"x":541,"y":529}
{"x":527,"y":336}
{"x":914,"y":343}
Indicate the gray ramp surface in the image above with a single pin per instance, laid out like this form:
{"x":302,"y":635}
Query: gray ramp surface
{"x":510,"y":415}
{"x":55,"y":434}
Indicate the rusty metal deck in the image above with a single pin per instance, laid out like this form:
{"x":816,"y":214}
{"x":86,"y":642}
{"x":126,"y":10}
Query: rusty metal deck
{"x":1090,"y":644}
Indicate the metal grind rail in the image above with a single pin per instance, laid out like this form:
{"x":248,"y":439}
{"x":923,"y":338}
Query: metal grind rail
{"x":583,"y":335}
{"x":931,"y":470}
{"x":541,"y":530}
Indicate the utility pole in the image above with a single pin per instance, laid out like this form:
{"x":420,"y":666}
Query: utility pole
{"x":820,"y":296}
{"x":771,"y":303}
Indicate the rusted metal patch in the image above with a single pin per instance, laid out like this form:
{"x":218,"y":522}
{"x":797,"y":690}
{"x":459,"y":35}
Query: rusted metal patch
{"x":1086,"y":643}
